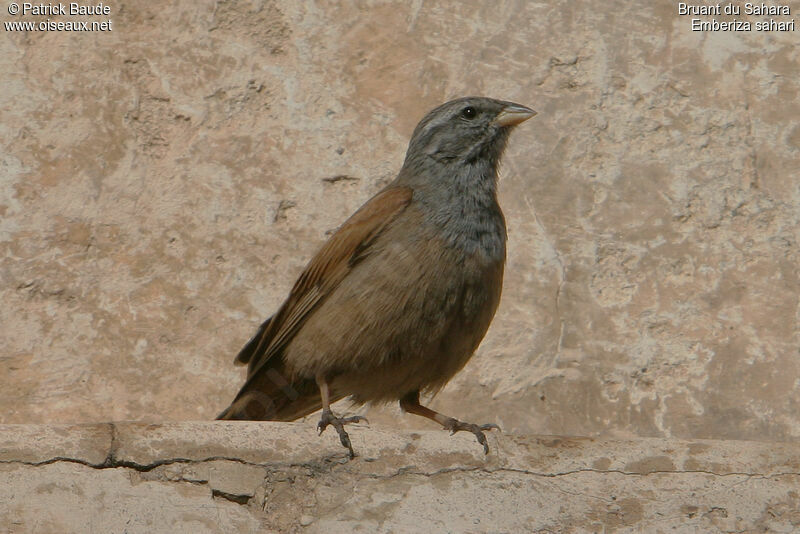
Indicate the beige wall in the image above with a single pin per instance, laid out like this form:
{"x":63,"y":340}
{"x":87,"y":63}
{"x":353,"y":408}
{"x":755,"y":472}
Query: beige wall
{"x":162,"y":184}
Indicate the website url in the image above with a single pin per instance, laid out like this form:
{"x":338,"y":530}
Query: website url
{"x":58,"y":26}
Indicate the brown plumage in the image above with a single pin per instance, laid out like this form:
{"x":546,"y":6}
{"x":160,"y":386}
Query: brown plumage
{"x":400,"y":296}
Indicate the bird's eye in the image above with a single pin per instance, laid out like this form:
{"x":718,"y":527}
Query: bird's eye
{"x":468,"y":112}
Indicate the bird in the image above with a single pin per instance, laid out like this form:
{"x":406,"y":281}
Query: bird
{"x":398,"y":299}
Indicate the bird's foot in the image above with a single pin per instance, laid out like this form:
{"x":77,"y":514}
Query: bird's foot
{"x":454,"y":425}
{"x":338,"y":423}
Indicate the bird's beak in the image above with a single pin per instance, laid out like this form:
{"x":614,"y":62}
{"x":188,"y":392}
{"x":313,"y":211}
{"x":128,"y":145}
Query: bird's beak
{"x":513,"y":114}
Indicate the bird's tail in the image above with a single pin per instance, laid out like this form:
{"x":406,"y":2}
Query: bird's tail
{"x":270,"y":395}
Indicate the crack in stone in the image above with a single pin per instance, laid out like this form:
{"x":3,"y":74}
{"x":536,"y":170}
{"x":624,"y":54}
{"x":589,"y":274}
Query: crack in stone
{"x":446,"y":470}
{"x":112,"y":447}
{"x":648,"y":473}
{"x":562,"y":278}
{"x":755,"y":179}
{"x":112,"y":462}
{"x":328,"y":464}
{"x":241,"y":499}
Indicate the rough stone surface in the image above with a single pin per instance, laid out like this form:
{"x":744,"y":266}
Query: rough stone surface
{"x":280,"y":477}
{"x":161,"y":186}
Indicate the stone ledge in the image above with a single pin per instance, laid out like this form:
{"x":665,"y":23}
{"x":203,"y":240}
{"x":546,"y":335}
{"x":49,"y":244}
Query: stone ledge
{"x":282,"y":477}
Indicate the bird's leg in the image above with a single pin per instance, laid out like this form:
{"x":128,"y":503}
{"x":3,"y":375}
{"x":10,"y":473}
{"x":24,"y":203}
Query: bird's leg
{"x":328,"y":418}
{"x":410,"y":403}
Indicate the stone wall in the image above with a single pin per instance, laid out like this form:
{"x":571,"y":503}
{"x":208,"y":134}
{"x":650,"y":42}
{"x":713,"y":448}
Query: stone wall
{"x":162,"y":184}
{"x":279,"y":477}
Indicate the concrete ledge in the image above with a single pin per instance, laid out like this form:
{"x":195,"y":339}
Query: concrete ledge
{"x":279,"y":477}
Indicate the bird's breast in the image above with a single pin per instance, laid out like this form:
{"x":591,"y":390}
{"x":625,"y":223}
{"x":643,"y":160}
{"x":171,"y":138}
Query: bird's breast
{"x":474,"y":231}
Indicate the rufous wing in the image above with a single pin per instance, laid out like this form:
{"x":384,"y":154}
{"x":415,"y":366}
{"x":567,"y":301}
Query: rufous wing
{"x":345,"y":248}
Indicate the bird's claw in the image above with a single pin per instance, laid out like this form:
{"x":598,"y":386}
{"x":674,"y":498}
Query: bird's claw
{"x":454,"y":425}
{"x":338,"y":423}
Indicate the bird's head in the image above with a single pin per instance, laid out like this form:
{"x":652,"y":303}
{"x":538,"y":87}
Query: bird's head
{"x":465,"y":131}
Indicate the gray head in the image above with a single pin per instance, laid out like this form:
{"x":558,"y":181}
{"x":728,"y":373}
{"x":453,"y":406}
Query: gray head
{"x":451,"y":164}
{"x":467,"y":131}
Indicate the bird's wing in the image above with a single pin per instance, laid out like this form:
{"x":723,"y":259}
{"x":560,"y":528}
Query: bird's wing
{"x":345,"y":248}
{"x":246,"y":354}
